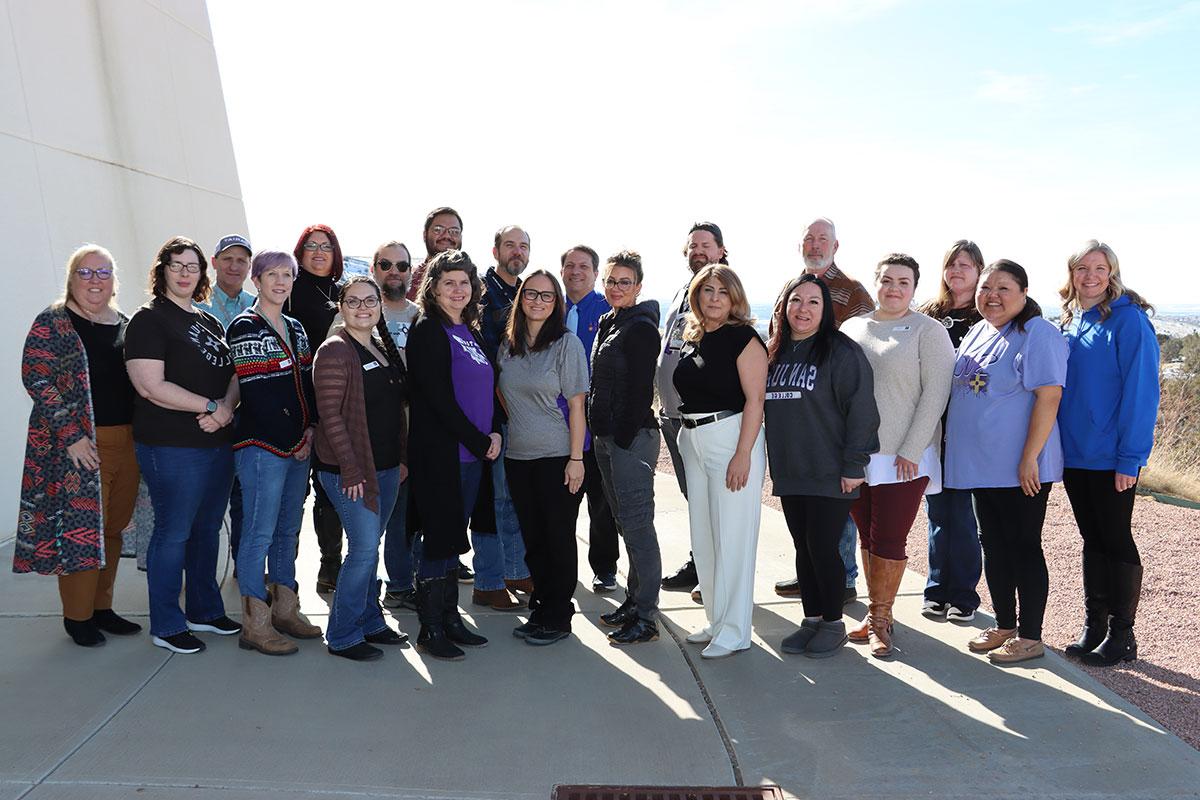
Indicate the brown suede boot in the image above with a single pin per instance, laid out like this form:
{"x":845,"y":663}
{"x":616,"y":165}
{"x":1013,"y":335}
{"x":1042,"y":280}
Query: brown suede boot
{"x":286,"y":616}
{"x":257,"y":632}
{"x":859,"y":635}
{"x":886,"y":574}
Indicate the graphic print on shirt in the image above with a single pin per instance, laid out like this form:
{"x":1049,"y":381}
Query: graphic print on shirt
{"x":791,"y":381}
{"x":971,"y":368}
{"x":211,"y":347}
{"x":470,"y":348}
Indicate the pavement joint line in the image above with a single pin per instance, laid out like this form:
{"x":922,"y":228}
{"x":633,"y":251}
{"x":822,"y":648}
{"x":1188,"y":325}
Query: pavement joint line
{"x":103,"y":724}
{"x":389,"y":794}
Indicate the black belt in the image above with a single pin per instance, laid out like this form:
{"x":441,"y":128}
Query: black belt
{"x":698,"y":421}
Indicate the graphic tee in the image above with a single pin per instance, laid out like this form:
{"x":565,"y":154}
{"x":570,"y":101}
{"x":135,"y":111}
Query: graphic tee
{"x":474,"y":382}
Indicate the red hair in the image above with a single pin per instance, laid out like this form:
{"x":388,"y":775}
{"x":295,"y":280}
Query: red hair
{"x":336,"y":272}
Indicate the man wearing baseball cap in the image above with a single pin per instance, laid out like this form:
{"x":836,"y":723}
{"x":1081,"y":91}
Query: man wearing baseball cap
{"x":231,"y":263}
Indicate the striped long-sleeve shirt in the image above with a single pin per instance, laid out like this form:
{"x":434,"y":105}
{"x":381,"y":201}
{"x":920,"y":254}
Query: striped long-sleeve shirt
{"x":275,"y":379}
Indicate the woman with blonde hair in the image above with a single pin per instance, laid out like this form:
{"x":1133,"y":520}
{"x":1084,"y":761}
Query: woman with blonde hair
{"x":721,"y":379}
{"x":80,"y":473}
{"x":1107,"y":415}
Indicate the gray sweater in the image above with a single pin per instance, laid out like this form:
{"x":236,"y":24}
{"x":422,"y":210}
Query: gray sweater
{"x":821,"y":419}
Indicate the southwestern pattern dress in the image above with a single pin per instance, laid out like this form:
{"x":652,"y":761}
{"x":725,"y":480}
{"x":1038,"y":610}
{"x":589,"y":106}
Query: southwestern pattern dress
{"x":60,"y":523}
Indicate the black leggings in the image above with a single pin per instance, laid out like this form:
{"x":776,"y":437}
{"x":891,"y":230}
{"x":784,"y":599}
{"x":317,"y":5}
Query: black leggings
{"x":1104,"y":515}
{"x":816,"y":525}
{"x":547,"y":512}
{"x":1010,"y":529}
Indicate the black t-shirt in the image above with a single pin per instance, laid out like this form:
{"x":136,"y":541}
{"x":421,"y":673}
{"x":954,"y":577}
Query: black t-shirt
{"x":112,"y":393}
{"x":958,"y":321}
{"x":191,"y":345}
{"x":707,"y":377}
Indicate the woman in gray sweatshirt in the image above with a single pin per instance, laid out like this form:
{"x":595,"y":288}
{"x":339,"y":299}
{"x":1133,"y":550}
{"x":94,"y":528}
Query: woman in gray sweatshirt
{"x":822,"y":427}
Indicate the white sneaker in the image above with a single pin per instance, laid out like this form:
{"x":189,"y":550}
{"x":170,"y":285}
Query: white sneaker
{"x":958,"y":615}
{"x":701,"y":636}
{"x":932,"y":609}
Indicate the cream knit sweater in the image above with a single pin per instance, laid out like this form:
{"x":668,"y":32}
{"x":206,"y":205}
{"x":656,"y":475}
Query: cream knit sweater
{"x":913,"y":362}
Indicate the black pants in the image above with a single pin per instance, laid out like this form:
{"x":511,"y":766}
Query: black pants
{"x":816,"y":525}
{"x":326,"y":523}
{"x":1010,"y":529}
{"x":547,"y":512}
{"x":603,"y":545}
{"x":1104,"y":515}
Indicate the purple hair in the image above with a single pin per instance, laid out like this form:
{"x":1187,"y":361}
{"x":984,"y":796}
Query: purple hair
{"x":270,"y":259}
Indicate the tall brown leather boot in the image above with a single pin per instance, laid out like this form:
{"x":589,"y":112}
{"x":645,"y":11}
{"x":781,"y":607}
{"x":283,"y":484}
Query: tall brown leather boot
{"x":859,"y":635}
{"x":886,"y":574}
{"x":286,"y":616}
{"x":257,"y":632}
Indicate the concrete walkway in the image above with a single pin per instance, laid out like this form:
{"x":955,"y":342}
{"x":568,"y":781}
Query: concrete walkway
{"x":130,"y":720}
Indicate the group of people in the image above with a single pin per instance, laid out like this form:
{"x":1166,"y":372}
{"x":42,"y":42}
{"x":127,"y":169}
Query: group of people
{"x":440,"y":410}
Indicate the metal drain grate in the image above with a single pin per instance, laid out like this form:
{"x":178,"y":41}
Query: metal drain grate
{"x":667,"y":793}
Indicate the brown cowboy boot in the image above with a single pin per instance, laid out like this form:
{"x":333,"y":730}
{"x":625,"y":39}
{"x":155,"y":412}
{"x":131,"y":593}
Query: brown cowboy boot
{"x":257,"y":632}
{"x":286,"y":616}
{"x":859,"y":635}
{"x":886,"y":574}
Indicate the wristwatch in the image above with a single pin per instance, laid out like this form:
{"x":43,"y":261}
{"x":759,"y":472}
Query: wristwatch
{"x":211,"y":408}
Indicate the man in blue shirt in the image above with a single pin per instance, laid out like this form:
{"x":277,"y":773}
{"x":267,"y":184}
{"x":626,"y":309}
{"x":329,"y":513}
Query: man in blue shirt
{"x":585,"y":306}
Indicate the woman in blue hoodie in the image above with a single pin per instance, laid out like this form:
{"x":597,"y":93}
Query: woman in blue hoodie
{"x":1107,"y":416}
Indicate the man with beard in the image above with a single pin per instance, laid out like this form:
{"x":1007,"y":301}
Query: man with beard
{"x":850,"y":299}
{"x":705,"y":245}
{"x":443,"y":231}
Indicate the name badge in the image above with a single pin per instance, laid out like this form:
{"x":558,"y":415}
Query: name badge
{"x":287,"y":362}
{"x":370,"y":365}
{"x":901,"y":328}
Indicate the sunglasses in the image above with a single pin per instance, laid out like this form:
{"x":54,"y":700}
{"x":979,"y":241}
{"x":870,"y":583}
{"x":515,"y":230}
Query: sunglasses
{"x":385,"y":265}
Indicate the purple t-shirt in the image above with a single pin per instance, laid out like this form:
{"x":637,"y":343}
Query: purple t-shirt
{"x":991,"y":400}
{"x":473,"y":380}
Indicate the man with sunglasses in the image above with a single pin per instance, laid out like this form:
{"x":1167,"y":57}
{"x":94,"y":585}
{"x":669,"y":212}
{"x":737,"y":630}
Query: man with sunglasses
{"x":443,"y":231}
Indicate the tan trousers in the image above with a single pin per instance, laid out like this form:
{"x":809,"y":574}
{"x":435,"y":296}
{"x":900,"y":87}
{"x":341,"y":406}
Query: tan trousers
{"x":84,"y":592}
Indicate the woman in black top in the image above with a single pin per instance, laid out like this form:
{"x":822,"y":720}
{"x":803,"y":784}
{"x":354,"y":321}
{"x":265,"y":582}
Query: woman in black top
{"x":80,"y":440}
{"x":314,"y":304}
{"x":955,"y":557}
{"x":721,"y":379}
{"x":184,"y":376}
{"x":626,"y":439}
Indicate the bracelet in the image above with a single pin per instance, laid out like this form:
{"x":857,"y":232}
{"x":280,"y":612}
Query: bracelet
{"x":574,"y":459}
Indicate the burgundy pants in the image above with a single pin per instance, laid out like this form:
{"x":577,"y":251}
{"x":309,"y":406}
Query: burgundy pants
{"x":885,"y":513}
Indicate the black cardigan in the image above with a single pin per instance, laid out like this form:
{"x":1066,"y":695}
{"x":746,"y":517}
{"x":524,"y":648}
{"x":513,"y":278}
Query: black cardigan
{"x":437,"y":426}
{"x":623,"y":360}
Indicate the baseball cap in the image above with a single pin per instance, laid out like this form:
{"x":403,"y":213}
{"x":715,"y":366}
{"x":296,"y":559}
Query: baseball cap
{"x":233,"y":240}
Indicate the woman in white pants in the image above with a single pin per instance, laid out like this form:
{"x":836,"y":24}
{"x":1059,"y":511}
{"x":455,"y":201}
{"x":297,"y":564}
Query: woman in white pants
{"x":721,"y":380}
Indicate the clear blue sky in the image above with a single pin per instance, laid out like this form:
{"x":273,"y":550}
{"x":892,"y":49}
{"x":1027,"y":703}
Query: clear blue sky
{"x":1026,"y":126}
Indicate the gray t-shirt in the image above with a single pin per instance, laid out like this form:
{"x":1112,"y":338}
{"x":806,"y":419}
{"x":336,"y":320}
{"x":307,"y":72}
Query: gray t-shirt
{"x":535,"y":387}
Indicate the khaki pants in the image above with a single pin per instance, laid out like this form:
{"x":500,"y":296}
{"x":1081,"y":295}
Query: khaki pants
{"x":84,"y":592}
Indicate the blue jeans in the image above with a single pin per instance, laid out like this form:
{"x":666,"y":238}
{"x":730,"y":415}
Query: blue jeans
{"x":355,"y":612}
{"x":846,"y":547}
{"x":470,"y":473}
{"x":399,"y":557}
{"x":273,"y":507}
{"x":503,"y":555}
{"x":955,"y":558}
{"x":189,"y":490}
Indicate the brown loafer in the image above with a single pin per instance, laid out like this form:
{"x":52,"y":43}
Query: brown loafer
{"x":990,"y":639}
{"x":498,"y":599}
{"x":1017,"y":649}
{"x":523,"y":585}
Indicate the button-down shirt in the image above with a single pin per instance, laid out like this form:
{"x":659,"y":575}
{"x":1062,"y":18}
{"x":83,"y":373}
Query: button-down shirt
{"x":224,"y":307}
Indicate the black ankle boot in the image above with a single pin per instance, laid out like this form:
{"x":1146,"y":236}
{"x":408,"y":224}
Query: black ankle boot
{"x":1096,"y":598}
{"x":432,"y":639}
{"x":1120,"y":644}
{"x":625,"y":612}
{"x":684,"y":579}
{"x":84,"y":634}
{"x":452,"y":621}
{"x":329,"y":539}
{"x":109,"y":621}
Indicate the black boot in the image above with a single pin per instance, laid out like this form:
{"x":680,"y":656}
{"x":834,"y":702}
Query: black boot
{"x":625,"y":612}
{"x":432,"y":638}
{"x":84,"y":634}
{"x":452,"y":620}
{"x":1120,"y":644}
{"x":329,"y":538}
{"x":1096,"y":592}
{"x":684,"y":579}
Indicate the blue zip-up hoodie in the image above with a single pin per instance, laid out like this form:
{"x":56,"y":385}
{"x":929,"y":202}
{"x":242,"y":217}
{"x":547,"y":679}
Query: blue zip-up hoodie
{"x":1110,"y":403}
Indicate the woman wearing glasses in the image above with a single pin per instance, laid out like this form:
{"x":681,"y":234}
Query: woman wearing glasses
{"x":626,"y":438}
{"x":181,"y":368}
{"x":314,"y":304}
{"x":360,"y":461}
{"x":79,"y":459}
{"x":544,"y":380}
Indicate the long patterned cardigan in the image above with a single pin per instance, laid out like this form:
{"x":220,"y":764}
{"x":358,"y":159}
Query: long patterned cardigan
{"x":60,"y":523}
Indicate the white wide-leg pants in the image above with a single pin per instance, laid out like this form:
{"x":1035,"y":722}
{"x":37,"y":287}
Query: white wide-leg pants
{"x":724,"y":525}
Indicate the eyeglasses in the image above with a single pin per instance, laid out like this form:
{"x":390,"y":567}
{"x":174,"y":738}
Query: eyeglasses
{"x":385,"y":265}
{"x":438,"y":230}
{"x":313,"y":247}
{"x":364,"y":302}
{"x":533,"y":294}
{"x":178,"y":267}
{"x":103,"y":273}
{"x":624,"y":284}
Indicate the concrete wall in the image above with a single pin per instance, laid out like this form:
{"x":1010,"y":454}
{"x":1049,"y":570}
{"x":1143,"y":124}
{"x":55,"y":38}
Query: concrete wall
{"x":113,"y":130}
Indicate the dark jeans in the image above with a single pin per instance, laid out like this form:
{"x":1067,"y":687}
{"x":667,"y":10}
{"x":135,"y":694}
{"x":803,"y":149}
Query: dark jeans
{"x":816,"y":525}
{"x":1104,"y":515}
{"x":326,"y":522}
{"x":548,"y":513}
{"x":399,"y":554}
{"x":955,"y":560}
{"x":1010,"y":528}
{"x":470,"y":473}
{"x":603,"y":547}
{"x":628,"y":476}
{"x":670,"y":427}
{"x":884,"y":515}
{"x":235,"y":519}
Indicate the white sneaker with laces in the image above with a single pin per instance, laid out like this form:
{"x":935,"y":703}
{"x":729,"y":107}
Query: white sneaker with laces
{"x":956,"y":614}
{"x":932,"y":609}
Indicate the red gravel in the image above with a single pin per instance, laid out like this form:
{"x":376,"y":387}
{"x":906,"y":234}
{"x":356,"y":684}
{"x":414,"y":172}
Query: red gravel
{"x":1164,"y":681}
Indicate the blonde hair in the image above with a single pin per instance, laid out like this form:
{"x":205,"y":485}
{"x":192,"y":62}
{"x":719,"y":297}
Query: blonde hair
{"x":73,"y":262}
{"x":1116,"y":288}
{"x":739,"y":311}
